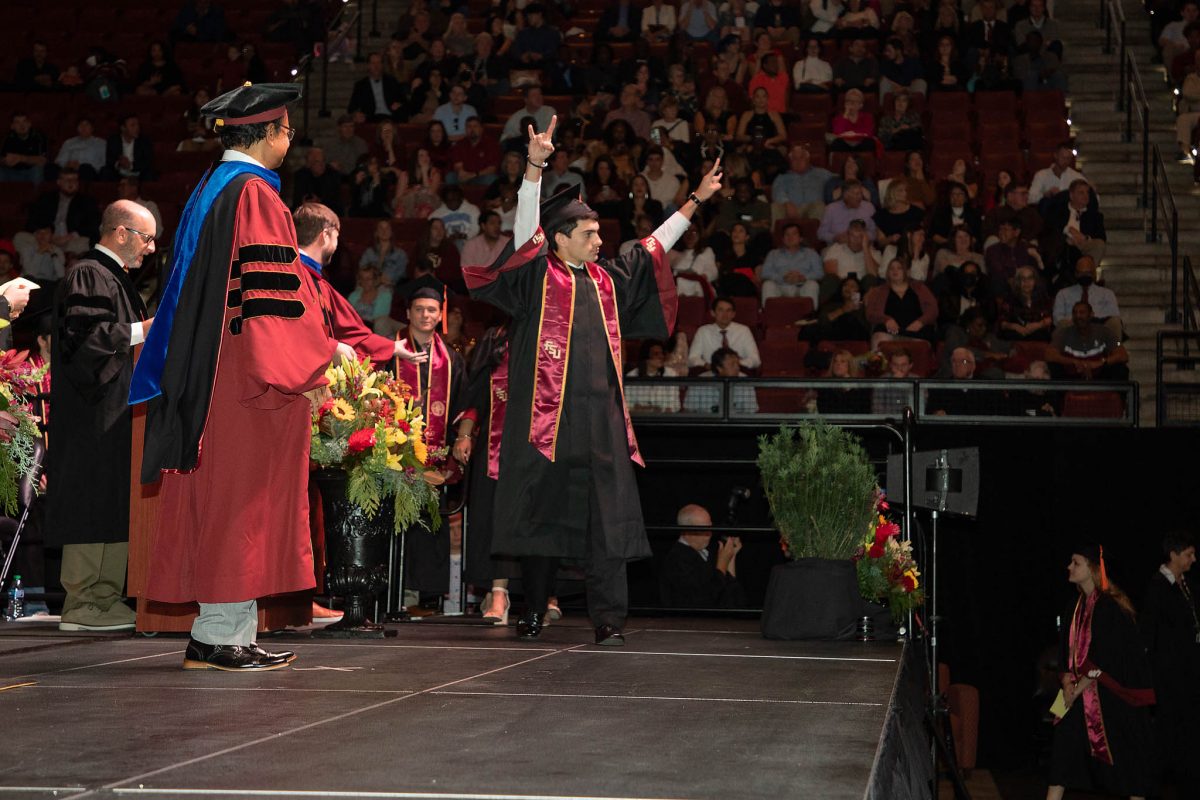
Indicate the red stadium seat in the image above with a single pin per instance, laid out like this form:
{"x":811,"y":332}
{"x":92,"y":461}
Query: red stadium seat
{"x":693,"y":312}
{"x":747,"y":311}
{"x":783,"y":358}
{"x":783,"y":311}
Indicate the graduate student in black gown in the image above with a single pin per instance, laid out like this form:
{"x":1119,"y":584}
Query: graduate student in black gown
{"x":1105,"y":740}
{"x":566,"y":485}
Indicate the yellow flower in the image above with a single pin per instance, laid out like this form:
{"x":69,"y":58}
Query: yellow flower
{"x":369,"y":386}
{"x":342,"y":410}
{"x":396,"y":436}
{"x":912,"y":573}
{"x":393,"y":462}
{"x":420,"y":450}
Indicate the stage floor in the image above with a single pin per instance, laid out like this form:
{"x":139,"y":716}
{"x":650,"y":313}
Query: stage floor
{"x":698,"y":709}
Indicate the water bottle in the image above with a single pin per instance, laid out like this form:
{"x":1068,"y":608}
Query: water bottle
{"x":16,"y":600}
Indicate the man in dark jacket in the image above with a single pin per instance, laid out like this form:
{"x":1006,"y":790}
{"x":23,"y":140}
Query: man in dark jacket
{"x":376,"y":96}
{"x":73,"y":217}
{"x":128,"y":152}
{"x":1074,"y":229}
{"x":693,"y":577}
{"x":98,"y":319}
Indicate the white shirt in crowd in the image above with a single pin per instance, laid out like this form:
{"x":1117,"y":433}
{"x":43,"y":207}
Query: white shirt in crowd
{"x":737,"y":336}
{"x":703,"y":263}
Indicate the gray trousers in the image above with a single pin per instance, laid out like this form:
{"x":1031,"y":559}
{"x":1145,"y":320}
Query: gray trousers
{"x":227,"y":623}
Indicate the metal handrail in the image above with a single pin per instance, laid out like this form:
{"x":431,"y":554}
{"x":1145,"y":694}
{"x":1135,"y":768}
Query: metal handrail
{"x":1134,"y":98}
{"x":1181,"y":358}
{"x":302,"y":71}
{"x":1163,"y":199}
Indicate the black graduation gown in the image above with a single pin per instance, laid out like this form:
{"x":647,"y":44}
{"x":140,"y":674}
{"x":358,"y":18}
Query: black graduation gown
{"x":1168,"y":629}
{"x":1116,"y":648}
{"x":91,"y":429}
{"x":427,"y":556}
{"x":544,"y":507}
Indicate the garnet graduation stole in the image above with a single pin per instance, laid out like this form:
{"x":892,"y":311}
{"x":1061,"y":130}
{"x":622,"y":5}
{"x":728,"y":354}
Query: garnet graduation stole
{"x":435,"y":400}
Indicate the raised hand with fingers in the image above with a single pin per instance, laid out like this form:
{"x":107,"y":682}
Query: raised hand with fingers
{"x":710,"y":184}
{"x":541,"y":145}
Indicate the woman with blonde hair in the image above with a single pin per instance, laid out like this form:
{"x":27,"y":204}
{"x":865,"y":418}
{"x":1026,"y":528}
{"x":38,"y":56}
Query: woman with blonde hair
{"x":1103,"y":734}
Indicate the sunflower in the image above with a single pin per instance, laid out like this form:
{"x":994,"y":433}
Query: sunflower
{"x":420,"y":450}
{"x":342,"y":410}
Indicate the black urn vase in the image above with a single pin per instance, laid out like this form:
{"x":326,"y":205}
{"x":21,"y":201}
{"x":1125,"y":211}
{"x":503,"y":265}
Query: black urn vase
{"x":356,"y":557}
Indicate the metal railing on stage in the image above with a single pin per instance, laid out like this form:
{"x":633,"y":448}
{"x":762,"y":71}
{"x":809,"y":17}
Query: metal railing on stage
{"x":1177,"y":402}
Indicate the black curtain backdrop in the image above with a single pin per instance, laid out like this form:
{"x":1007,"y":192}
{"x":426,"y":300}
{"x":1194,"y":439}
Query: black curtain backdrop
{"x":1003,"y":579}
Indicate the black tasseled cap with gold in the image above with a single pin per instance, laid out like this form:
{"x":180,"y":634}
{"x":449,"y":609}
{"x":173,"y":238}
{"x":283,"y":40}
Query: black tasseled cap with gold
{"x":251,"y":103}
{"x":562,"y":207}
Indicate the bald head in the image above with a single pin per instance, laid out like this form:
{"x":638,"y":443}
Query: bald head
{"x":695,"y":515}
{"x":128,"y":229}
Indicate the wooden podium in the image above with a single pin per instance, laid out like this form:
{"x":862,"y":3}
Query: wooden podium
{"x":274,"y":613}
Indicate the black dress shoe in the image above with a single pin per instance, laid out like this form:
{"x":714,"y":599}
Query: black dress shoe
{"x":282,"y":657}
{"x":227,"y":658}
{"x":610,"y":635}
{"x":529,"y":626}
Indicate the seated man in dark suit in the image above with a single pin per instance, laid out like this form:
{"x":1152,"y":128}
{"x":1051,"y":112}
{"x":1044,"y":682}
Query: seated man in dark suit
{"x":317,"y":182}
{"x":620,"y":22}
{"x":1074,"y":229}
{"x":128,"y":152}
{"x":986,"y":33}
{"x":377,"y":96}
{"x":73,"y":218}
{"x":965,"y":401}
{"x":691,"y":576}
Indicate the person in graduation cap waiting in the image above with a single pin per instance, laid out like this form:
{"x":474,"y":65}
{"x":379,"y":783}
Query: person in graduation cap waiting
{"x":565,"y":472}
{"x":236,"y":357}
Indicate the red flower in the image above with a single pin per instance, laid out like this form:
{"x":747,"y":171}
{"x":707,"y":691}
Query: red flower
{"x":908,"y":583}
{"x":885,"y":530}
{"x":361,"y":440}
{"x":876,"y":550}
{"x":325,"y":408}
{"x":404,"y":426}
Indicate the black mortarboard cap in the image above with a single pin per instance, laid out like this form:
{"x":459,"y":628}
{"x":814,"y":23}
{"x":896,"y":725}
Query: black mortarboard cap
{"x":251,"y":103}
{"x":426,"y":286}
{"x":562,"y":207}
{"x":1089,"y":550}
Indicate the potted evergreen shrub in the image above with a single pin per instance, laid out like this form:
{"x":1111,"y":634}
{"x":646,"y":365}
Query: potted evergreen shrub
{"x":822,"y":492}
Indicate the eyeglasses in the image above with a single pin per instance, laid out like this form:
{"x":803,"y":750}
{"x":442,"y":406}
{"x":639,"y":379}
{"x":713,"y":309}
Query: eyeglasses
{"x":291,"y":132}
{"x":146,"y":237}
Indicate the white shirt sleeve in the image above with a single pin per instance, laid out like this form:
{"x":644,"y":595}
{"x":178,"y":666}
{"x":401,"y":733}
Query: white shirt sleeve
{"x":672,"y":230}
{"x":742,"y":340}
{"x":137,"y":334}
{"x":529,"y":198}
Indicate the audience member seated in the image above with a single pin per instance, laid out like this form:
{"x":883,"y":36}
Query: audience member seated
{"x":24,"y":152}
{"x":973,"y":332}
{"x":723,"y":332}
{"x":835,"y":222}
{"x":1024,"y":312}
{"x":724,"y":363}
{"x":377,"y":95}
{"x":158,"y":74}
{"x":440,"y":253}
{"x":72,"y":218}
{"x":1037,"y":67}
{"x":911,"y":250}
{"x":859,"y":19}
{"x":426,"y":92}
{"x":955,"y":252}
{"x":921,"y":192}
{"x":383,"y":254}
{"x":484,"y":248}
{"x":1086,"y":350}
{"x":659,"y":21}
{"x":843,"y":399}
{"x":851,"y":171}
{"x":129,"y":152}
{"x":42,"y":261}
{"x":855,"y":257}
{"x":371,"y":189}
{"x":944,"y":72}
{"x":1187,"y":108}
{"x":417,"y":188}
{"x":639,"y":203}
{"x":692,"y":258}
{"x":130,"y":188}
{"x":854,"y":129}
{"x":652,"y":363}
{"x":1009,"y":254}
{"x":459,"y":215}
{"x":1040,"y":20}
{"x":954,"y":215}
{"x":760,"y":130}
{"x":534,"y":107}
{"x":1057,"y":177}
{"x":1016,"y":206}
{"x":961,"y":173}
{"x":897,"y":217}
{"x":993,"y":197}
{"x":693,"y":577}
{"x":36,"y":73}
{"x":900,"y":308}
{"x":773,"y":79}
{"x":666,"y":187}
{"x":1074,"y":229}
{"x":812,"y":74}
{"x":605,"y":189}
{"x":801,"y":190}
{"x":1173,"y":40}
{"x":825,"y":14}
{"x":344,"y":150}
{"x":901,"y":129}
{"x":899,"y":72}
{"x":793,"y":270}
{"x":856,"y":70}
{"x":744,"y":207}
{"x":454,"y":113}
{"x":317,"y":182}
{"x":738,"y":262}
{"x":1036,"y":402}
{"x":199,"y":21}
{"x":1102,"y":300}
{"x":960,"y":289}
{"x":438,"y":145}
{"x":841,"y":316}
{"x":964,"y":401}
{"x":370,"y":298}
{"x":987,"y":33}
{"x":475,"y":157}
{"x":891,"y":401}
{"x":537,"y":43}
{"x":698,"y":20}
{"x":85,"y":151}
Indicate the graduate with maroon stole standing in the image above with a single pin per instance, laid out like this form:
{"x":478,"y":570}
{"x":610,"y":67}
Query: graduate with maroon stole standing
{"x":230,"y":369}
{"x":566,"y":486}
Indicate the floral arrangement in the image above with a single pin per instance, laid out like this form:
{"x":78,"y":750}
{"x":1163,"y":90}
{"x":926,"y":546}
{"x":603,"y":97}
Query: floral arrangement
{"x":18,"y":424}
{"x":887,"y":571}
{"x":370,"y":428}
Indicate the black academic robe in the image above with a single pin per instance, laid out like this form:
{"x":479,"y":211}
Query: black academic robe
{"x":688,"y":580}
{"x":1168,"y":625}
{"x":1117,"y":650}
{"x":91,"y":430}
{"x":427,"y":556}
{"x":546,"y":507}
